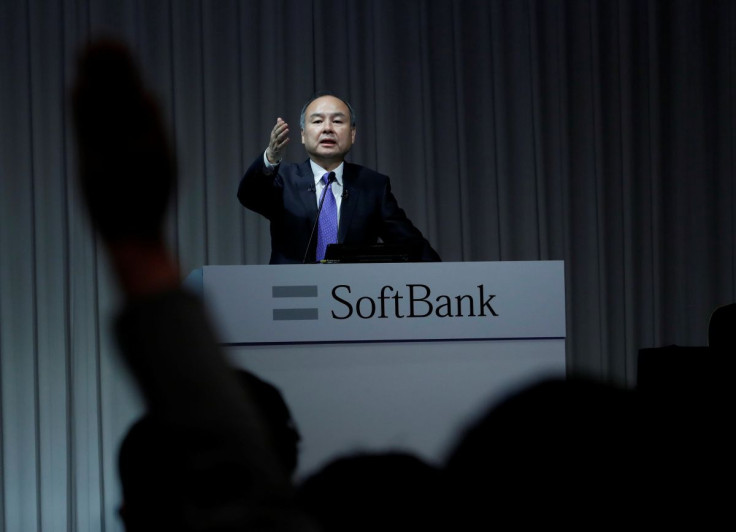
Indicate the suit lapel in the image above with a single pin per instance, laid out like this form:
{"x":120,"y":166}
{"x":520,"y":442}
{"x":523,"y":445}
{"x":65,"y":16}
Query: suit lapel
{"x":349,"y":199}
{"x":306,"y":189}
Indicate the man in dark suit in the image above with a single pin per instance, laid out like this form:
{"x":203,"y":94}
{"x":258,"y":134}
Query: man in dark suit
{"x":289,"y":194}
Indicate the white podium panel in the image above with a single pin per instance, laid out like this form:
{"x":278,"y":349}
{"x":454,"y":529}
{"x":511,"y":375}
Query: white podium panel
{"x":410,"y":366}
{"x":368,"y":302}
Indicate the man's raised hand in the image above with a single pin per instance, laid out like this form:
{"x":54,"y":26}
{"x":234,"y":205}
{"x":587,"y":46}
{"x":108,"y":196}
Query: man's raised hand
{"x":277,"y":142}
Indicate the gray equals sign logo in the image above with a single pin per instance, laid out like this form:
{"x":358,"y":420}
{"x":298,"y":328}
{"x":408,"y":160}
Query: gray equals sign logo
{"x":282,"y":314}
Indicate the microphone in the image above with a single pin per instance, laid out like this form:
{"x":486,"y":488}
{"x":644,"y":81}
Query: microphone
{"x":345,"y":194}
{"x":311,"y":188}
{"x":330,"y":179}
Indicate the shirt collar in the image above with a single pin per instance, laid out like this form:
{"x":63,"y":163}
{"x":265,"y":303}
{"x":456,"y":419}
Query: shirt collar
{"x":318,"y":172}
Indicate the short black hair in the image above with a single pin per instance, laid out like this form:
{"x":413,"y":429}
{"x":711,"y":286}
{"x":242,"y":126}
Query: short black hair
{"x":320,"y":94}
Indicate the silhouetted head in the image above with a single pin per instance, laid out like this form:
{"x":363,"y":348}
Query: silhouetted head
{"x":370,"y":492}
{"x":185,"y":479}
{"x":282,"y":433}
{"x":722,"y":329}
{"x":151,"y":472}
{"x":553,"y":452}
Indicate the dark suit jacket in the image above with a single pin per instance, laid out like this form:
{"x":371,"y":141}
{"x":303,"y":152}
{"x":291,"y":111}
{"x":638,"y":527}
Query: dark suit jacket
{"x":286,"y":197}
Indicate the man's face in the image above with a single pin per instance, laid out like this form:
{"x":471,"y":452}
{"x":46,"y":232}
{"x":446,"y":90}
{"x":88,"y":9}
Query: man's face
{"x":327,"y":135}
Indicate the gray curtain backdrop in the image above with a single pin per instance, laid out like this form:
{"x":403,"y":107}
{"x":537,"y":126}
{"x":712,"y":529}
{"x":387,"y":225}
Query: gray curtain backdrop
{"x":600,"y":133}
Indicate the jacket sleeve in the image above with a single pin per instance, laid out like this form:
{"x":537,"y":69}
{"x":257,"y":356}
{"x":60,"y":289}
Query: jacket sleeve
{"x":260,"y":190}
{"x":397,"y":228}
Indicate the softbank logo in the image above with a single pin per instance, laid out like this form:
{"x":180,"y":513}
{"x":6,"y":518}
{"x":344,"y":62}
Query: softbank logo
{"x":290,"y":314}
{"x":410,"y":301}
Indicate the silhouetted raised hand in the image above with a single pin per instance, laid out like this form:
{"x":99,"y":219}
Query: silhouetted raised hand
{"x":126,"y":166}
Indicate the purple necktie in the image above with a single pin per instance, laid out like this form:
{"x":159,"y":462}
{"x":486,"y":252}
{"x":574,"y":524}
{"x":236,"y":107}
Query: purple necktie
{"x":327,"y":220}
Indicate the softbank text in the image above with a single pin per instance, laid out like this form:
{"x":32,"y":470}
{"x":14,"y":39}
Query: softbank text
{"x":417,"y":302}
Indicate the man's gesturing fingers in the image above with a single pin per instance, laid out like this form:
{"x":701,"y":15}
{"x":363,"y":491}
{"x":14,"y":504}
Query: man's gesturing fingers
{"x":278,"y":141}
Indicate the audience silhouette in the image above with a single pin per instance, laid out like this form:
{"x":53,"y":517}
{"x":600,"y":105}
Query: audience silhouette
{"x":557,"y":452}
{"x":151,"y":463}
{"x":722,"y":329}
{"x":202,"y":458}
{"x":392,"y":491}
{"x":282,"y":433}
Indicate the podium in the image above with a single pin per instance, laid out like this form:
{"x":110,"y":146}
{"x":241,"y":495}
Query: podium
{"x":379,"y":357}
